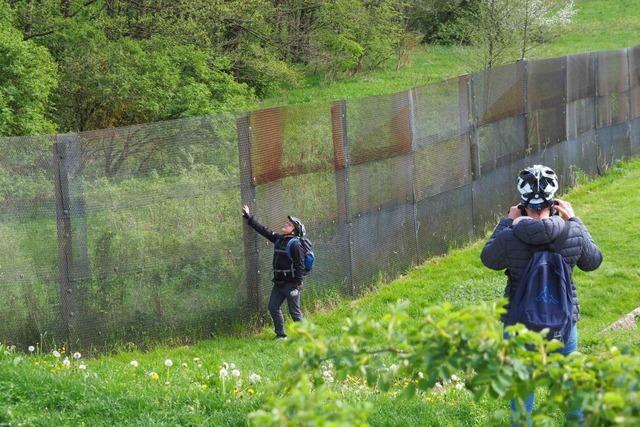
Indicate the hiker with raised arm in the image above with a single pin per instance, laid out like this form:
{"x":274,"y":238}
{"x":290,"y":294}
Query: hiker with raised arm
{"x":292,"y":260}
{"x":542,"y":238}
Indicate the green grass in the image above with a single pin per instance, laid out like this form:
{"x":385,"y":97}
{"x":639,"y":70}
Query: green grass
{"x":598,"y":25}
{"x":111,"y":391}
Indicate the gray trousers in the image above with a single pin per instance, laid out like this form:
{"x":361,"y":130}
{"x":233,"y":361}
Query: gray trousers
{"x":279,"y":293}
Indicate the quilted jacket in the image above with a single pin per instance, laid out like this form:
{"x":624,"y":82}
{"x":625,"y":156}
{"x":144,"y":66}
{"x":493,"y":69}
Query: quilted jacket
{"x":511,"y":247}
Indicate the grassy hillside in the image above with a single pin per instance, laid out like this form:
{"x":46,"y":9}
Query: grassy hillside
{"x":41,"y":390}
{"x":598,"y":25}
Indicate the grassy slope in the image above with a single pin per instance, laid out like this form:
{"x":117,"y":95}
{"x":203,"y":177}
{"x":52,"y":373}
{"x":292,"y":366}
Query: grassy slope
{"x":598,"y":25}
{"x":120,"y":394}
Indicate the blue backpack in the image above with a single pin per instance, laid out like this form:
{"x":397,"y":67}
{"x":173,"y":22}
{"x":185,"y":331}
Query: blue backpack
{"x":307,"y":249}
{"x":543,"y":297}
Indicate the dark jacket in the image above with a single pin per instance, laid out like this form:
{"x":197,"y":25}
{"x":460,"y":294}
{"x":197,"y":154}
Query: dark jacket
{"x":284,"y":269}
{"x":511,"y":248}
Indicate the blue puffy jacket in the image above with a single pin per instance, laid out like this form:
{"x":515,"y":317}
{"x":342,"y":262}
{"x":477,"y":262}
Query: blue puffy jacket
{"x":511,"y":247}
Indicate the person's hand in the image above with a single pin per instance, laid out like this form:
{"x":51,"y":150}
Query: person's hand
{"x":514,"y":212}
{"x":245,"y":211}
{"x":565,"y":209}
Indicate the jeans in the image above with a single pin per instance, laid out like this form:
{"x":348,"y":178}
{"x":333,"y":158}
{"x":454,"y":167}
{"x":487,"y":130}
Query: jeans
{"x":279,"y":293}
{"x":571,"y":346}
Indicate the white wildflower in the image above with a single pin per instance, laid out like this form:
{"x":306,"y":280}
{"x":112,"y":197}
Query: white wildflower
{"x":420,"y":375}
{"x":168,"y":363}
{"x":66,"y":361}
{"x":235,"y":373}
{"x":134,"y":363}
{"x":56,"y":354}
{"x":224,"y":373}
{"x":232,"y":366}
{"x":254,"y":378}
{"x":459,"y":386}
{"x":77,"y":355}
{"x":455,"y":378}
{"x":82,"y":367}
{"x":31,"y":349}
{"x":328,"y":376}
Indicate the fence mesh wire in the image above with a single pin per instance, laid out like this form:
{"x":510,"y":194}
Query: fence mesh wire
{"x":134,"y":234}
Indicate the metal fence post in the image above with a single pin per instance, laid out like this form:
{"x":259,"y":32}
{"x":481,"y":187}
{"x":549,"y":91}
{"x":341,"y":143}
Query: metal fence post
{"x":248,"y":197}
{"x":473,"y":146}
{"x":414,"y":148}
{"x":341,"y":166}
{"x":68,"y":289}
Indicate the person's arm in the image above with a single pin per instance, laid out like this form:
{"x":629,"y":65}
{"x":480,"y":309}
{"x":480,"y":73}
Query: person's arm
{"x":261,"y":229}
{"x":298,"y":262}
{"x":590,"y":256}
{"x":494,"y":253}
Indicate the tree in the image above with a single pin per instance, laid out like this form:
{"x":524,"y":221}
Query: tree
{"x":505,"y":30}
{"x":536,"y":20}
{"x":27,"y":77}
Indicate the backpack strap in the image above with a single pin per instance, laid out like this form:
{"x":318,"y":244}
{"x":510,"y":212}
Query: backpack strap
{"x":286,"y":250}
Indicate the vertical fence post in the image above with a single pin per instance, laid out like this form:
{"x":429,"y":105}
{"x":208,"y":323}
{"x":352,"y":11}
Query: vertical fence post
{"x":248,"y":197}
{"x":525,"y":99}
{"x":68,"y":290}
{"x":341,"y":167}
{"x":475,"y":152}
{"x":412,"y":172}
{"x":464,"y":130}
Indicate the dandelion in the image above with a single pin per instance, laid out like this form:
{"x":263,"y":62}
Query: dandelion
{"x":254,"y":378}
{"x":232,"y":366}
{"x":454,"y":378}
{"x":77,"y":355}
{"x":459,"y":386}
{"x":56,"y":354}
{"x":154,"y":376}
{"x":251,"y":391}
{"x":393,"y":368}
{"x":184,"y":365}
{"x":224,"y":373}
{"x":420,"y":375}
{"x":196,"y":360}
{"x":66,"y":361}
{"x":31,"y":349}
{"x":134,"y":363}
{"x":82,"y":367}
{"x":235,"y":373}
{"x":168,"y":363}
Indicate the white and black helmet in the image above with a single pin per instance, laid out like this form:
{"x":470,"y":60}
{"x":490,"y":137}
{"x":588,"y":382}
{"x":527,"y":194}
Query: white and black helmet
{"x":298,"y":226}
{"x":537,"y":185}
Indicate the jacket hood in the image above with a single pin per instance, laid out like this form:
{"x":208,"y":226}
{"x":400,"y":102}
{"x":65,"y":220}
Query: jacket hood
{"x":539,"y":232}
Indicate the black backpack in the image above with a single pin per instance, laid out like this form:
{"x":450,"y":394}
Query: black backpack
{"x":307,"y":249}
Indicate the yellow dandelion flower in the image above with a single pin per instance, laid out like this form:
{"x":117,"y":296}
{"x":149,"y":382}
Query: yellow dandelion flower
{"x":154,"y":376}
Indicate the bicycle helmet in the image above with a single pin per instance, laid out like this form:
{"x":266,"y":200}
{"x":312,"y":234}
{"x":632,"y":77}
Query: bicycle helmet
{"x":537,"y":185}
{"x":297,"y":225}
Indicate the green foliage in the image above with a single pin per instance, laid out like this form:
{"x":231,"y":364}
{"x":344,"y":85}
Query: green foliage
{"x":112,"y":83}
{"x":443,"y":342}
{"x":27,"y":77}
{"x":440,"y":20}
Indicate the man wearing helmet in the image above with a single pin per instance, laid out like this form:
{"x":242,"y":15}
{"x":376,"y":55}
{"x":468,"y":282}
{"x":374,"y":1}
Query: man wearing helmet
{"x":288,"y":268}
{"x":539,"y":221}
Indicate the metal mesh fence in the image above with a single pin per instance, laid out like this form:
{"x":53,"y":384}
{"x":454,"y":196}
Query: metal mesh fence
{"x":134,"y":234}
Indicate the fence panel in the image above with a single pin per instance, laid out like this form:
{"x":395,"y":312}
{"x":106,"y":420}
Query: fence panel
{"x":29,"y":288}
{"x":133,"y":234}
